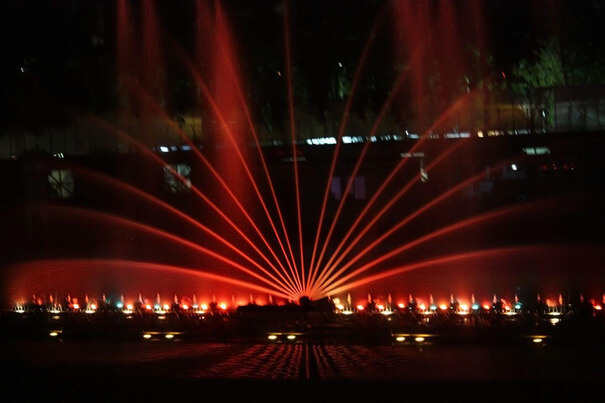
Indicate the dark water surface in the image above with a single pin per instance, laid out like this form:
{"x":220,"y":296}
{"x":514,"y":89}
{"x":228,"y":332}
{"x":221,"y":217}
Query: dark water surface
{"x":213,"y":371}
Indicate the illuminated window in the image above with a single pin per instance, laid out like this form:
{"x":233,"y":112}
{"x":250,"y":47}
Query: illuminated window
{"x":177,"y":178}
{"x":536,"y":150}
{"x":61,"y":184}
{"x":357,"y":190}
{"x":336,"y":188}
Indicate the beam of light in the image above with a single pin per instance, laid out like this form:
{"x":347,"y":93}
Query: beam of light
{"x":466,"y":256}
{"x":352,"y":176}
{"x":443,"y":196}
{"x":386,"y":104}
{"x":341,"y":129}
{"x":292,"y":271}
{"x":165,"y":206}
{"x":58,"y":265}
{"x":105,"y":217}
{"x":291,"y":262}
{"x":258,"y":147}
{"x":376,"y":217}
{"x":219,"y":178}
{"x":124,"y":45}
{"x":121,"y":134}
{"x":482,"y":218}
{"x":367,"y":207}
{"x":336,"y":259}
{"x":293,"y":137}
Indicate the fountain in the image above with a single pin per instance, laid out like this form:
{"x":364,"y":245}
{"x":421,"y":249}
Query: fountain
{"x":376,"y":212}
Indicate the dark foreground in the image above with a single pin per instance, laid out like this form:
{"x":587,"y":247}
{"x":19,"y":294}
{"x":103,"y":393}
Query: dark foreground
{"x":223,"y":371}
{"x":314,"y":356}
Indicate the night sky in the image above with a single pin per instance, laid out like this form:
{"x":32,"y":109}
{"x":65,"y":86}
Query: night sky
{"x":64,"y":51}
{"x":60,"y":60}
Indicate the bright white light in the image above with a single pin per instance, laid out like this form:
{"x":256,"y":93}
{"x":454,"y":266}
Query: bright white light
{"x":147,"y":336}
{"x":53,"y":334}
{"x":169,"y":336}
{"x":291,"y":337}
{"x":164,"y":149}
{"x":419,"y":339}
{"x":400,"y":339}
{"x":537,"y":340}
{"x":513,"y":167}
{"x":272,"y":337}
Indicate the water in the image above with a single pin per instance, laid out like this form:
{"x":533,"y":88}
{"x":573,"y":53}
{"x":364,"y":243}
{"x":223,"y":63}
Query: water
{"x":296,"y":371}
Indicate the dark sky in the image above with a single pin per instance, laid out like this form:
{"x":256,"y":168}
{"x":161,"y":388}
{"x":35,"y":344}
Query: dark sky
{"x":64,"y":50}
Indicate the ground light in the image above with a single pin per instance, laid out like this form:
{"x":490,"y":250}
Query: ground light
{"x":168,"y":336}
{"x":538,"y":339}
{"x":283,"y":337}
{"x":406,"y":338}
